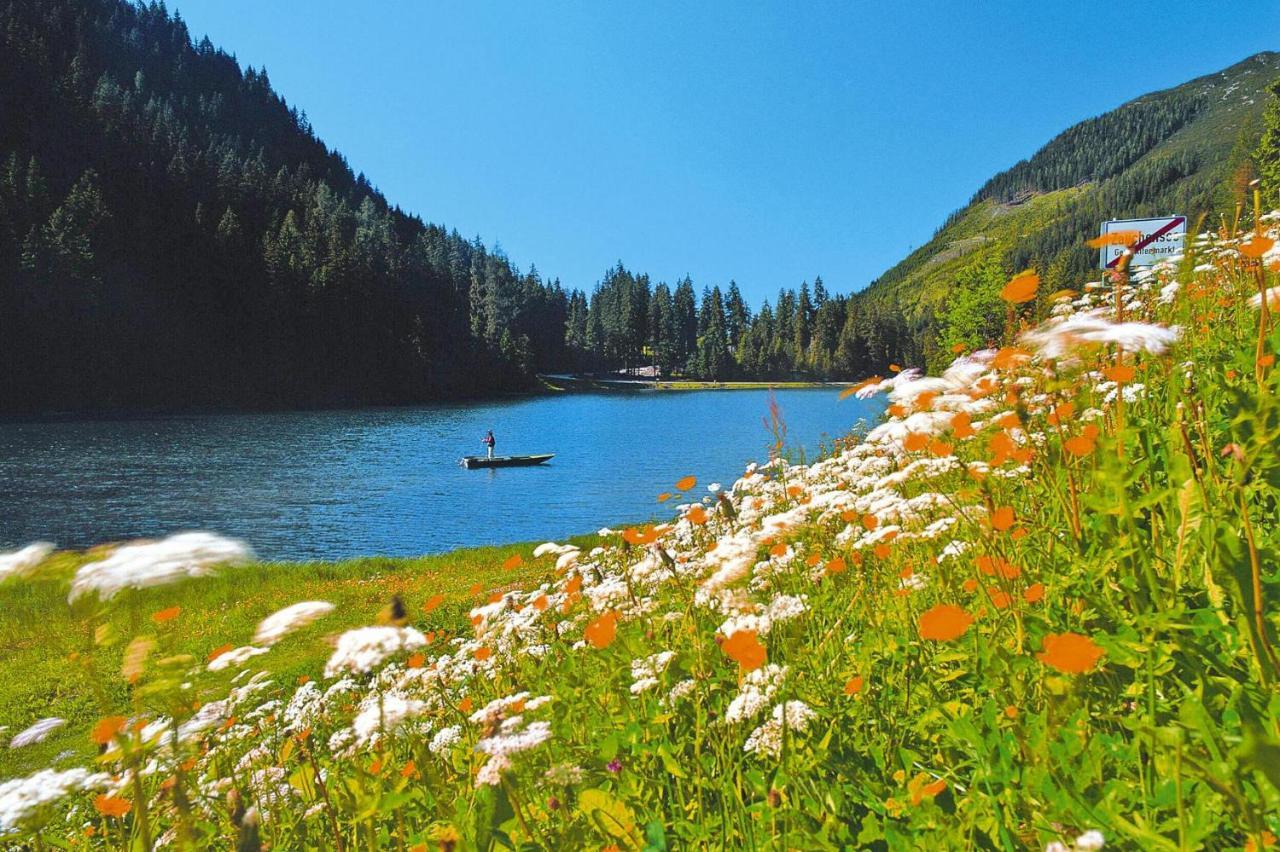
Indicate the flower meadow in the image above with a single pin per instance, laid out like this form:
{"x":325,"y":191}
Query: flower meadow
{"x":1034,"y":608}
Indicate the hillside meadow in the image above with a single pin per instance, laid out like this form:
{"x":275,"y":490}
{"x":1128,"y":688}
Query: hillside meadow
{"x":1036,"y":607}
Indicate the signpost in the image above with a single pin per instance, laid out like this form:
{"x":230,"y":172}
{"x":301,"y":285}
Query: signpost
{"x":1160,"y":238}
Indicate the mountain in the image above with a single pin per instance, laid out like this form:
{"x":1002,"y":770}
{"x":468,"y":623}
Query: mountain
{"x":1173,"y":151}
{"x":173,"y":234}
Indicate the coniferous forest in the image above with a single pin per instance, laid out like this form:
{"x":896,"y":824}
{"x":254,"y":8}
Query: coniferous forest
{"x":174,"y":234}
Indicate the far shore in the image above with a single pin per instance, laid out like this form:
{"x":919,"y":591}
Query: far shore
{"x":566,"y":382}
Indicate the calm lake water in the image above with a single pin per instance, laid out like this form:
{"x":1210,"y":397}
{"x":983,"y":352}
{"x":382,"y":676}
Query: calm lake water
{"x":333,"y":484}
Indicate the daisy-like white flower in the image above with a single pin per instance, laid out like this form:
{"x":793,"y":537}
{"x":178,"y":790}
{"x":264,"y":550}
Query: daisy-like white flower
{"x":361,"y":650}
{"x":154,"y":563}
{"x":37,"y":732}
{"x":235,"y":657}
{"x":24,"y":801}
{"x":283,"y":622}
{"x":24,"y":562}
{"x":1058,"y":339}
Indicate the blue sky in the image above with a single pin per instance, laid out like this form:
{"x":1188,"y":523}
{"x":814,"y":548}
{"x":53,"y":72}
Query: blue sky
{"x":764,"y":142}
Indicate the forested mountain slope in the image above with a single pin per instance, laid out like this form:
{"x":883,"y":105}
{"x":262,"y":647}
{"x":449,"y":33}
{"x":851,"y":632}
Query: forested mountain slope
{"x":1186,"y":150}
{"x":173,"y":234}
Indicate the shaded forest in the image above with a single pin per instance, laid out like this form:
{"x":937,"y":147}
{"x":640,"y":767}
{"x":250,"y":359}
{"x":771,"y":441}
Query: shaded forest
{"x":174,"y":234}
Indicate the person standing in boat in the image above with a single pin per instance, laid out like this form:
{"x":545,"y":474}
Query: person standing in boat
{"x":489,"y":442}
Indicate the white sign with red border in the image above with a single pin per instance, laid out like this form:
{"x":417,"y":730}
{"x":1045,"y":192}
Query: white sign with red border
{"x":1159,"y":239}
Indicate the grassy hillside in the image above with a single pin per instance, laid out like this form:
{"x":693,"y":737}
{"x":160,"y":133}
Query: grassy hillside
{"x":1038,"y":607}
{"x":1167,"y":152}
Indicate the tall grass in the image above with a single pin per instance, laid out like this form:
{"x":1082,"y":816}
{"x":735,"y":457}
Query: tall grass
{"x":1036,"y":608}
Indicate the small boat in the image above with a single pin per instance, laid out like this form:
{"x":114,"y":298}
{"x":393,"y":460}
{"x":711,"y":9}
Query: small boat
{"x":472,"y":462}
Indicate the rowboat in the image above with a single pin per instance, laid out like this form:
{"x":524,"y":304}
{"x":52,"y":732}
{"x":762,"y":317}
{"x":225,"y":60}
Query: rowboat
{"x":471,"y":462}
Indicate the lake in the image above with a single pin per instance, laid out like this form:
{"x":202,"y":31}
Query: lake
{"x":335,"y":484}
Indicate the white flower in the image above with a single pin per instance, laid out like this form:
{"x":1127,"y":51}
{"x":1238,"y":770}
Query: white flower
{"x":490,"y":775}
{"x":153,"y":563}
{"x":1273,"y":299}
{"x":1090,"y":840}
{"x":37,"y":732}
{"x":24,"y":800}
{"x":235,"y":657}
{"x":279,"y":624}
{"x":1057,"y":339}
{"x":506,"y":743}
{"x":766,"y":740}
{"x":445,"y":739}
{"x":22,"y":563}
{"x":363,"y":649}
{"x":381,"y":714}
{"x":758,"y":687}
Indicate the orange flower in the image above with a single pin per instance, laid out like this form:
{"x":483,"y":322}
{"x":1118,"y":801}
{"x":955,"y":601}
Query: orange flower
{"x":1257,"y":247}
{"x":664,"y":496}
{"x":1011,"y":712}
{"x":915,"y":441}
{"x":410,"y":770}
{"x":1120,"y":373}
{"x":970,"y":585}
{"x":1002,"y":518}
{"x":870,"y":522}
{"x":601,"y":632}
{"x":541,"y":602}
{"x":112,"y":806}
{"x":962,"y":425}
{"x":836,"y":566}
{"x":466,"y":704}
{"x":513,"y":561}
{"x":778,"y":550}
{"x":1034,"y":593}
{"x":640,"y":537}
{"x":1021,"y":289}
{"x":881,"y":551}
{"x":432,"y":602}
{"x":999,"y":598}
{"x":1079,"y":445}
{"x":219,"y":651}
{"x":686,"y":483}
{"x":944,"y":622}
{"x":1061,"y":413}
{"x":745,"y":649}
{"x":476,"y":589}
{"x":939,"y":448}
{"x":696,"y":515}
{"x":1115,"y":238}
{"x":957,"y":348}
{"x":1010,"y":357}
{"x":106,"y":729}
{"x":416,"y":661}
{"x":166,"y":614}
{"x":482,"y":653}
{"x":853,"y":686}
{"x":894,"y":368}
{"x":1070,"y":652}
{"x":1001,"y":447}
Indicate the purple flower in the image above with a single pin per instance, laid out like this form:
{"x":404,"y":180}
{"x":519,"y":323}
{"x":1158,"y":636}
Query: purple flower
{"x":614,"y":766}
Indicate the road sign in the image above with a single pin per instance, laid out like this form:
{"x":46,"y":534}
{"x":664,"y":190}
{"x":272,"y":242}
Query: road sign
{"x":1159,"y":239}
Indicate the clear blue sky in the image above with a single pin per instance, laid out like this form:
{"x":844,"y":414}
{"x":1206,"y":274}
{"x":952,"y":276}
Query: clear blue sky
{"x":763,"y":142}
